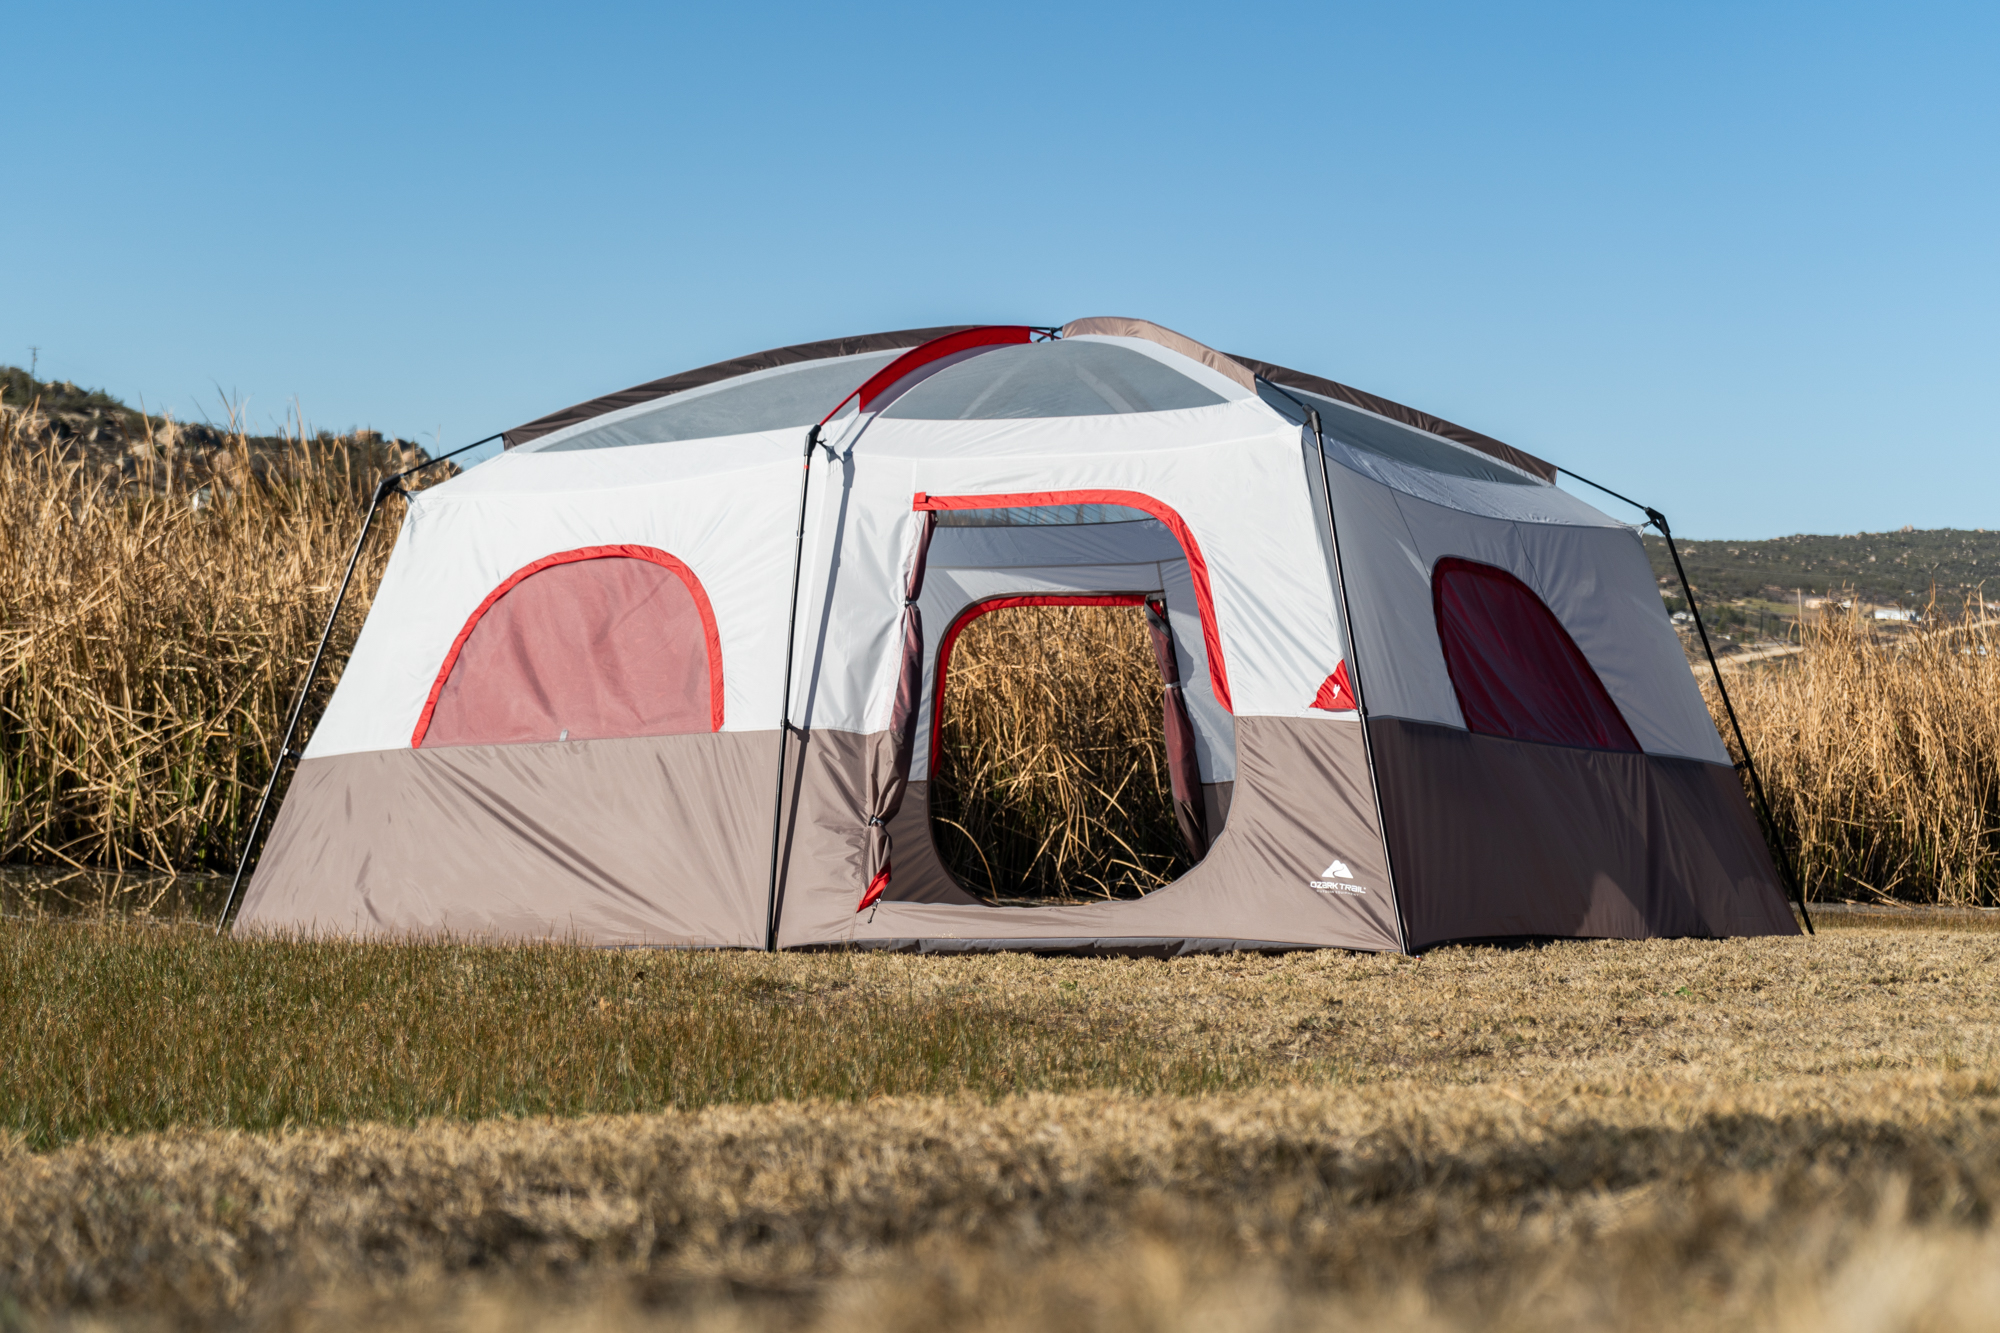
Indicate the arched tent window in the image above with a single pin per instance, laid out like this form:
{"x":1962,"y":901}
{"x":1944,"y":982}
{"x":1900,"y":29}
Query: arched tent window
{"x":591,"y":644}
{"x":1515,"y":669}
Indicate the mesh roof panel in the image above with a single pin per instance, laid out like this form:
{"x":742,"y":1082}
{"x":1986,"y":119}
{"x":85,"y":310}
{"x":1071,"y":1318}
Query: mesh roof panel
{"x":1405,"y":444}
{"x":771,"y":400}
{"x":1070,"y":378}
{"x":1041,"y":516}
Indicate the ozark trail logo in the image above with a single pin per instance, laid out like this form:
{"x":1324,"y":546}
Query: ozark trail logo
{"x":1336,"y":878}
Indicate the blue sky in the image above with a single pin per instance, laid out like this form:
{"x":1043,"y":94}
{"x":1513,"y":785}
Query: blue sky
{"x":1739,"y":260}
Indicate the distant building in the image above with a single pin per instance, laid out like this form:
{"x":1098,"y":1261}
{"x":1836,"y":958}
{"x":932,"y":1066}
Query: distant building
{"x":1895,"y":613}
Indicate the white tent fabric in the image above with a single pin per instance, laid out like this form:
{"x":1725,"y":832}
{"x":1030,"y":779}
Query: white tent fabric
{"x":459,"y":541}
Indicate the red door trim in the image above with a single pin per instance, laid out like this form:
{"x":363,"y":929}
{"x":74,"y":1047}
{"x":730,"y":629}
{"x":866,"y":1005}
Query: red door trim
{"x":711,"y":636}
{"x":1211,"y":634}
{"x":1001,"y":603}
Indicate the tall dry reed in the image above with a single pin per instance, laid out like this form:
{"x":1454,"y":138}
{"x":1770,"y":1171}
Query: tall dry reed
{"x":156,"y":615}
{"x":1054,"y":775}
{"x":1881,"y":757}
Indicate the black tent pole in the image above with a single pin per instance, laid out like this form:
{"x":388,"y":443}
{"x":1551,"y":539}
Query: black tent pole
{"x":1659,"y":520}
{"x":785,"y":693}
{"x":384,"y":489}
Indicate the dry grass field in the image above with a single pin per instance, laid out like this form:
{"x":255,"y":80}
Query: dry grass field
{"x":1054,"y":782}
{"x":155,"y":620}
{"x":1881,"y":756}
{"x":1672,"y":1135}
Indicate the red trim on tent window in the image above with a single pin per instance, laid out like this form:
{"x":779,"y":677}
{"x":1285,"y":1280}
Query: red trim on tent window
{"x":1515,"y":669}
{"x":980,"y":608}
{"x":1211,"y":634}
{"x":711,"y":636}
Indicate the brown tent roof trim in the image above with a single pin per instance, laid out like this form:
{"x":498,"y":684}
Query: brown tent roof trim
{"x":723,"y":370}
{"x":1409,"y":416}
{"x":1114,"y":326}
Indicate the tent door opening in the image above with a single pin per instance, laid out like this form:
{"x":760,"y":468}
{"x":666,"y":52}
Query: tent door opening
{"x":1063,"y":762}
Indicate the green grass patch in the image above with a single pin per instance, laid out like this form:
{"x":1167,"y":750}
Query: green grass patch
{"x":109,"y":1028}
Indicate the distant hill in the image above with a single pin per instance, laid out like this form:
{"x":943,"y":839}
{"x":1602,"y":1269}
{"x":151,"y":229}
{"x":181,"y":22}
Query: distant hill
{"x":1897,"y":568}
{"x":99,"y":430}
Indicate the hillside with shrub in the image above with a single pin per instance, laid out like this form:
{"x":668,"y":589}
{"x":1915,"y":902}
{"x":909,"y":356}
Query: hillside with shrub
{"x":112,"y":439}
{"x":1887,"y":568}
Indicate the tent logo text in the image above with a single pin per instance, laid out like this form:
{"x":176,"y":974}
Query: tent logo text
{"x":1337,"y":878}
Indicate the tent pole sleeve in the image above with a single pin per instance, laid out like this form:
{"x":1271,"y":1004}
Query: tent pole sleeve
{"x":1659,"y":520}
{"x":388,"y":486}
{"x":1749,"y":761}
{"x":384,"y":489}
{"x":785,"y":694}
{"x":1355,"y":674}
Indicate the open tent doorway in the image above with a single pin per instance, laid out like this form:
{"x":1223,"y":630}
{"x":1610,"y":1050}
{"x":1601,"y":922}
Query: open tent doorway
{"x":1057,"y":737}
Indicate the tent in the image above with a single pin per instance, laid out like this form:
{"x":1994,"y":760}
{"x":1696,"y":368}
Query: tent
{"x":1412,"y":692}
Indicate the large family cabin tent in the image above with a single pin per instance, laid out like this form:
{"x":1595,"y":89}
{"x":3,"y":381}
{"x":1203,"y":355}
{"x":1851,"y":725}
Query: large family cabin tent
{"x":1412,"y":691}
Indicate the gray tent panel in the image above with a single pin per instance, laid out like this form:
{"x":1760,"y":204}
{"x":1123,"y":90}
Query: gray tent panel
{"x":1405,"y":444}
{"x":1297,"y":380}
{"x":899,"y":340}
{"x":780,"y":399}
{"x":1051,"y":379}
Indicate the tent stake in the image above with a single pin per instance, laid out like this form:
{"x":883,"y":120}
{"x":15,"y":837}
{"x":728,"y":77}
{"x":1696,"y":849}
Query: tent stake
{"x":385,"y":488}
{"x":785,"y":692}
{"x":1659,"y":520}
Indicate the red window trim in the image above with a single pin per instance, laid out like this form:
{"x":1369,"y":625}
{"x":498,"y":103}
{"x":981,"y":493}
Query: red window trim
{"x":710,"y":635}
{"x":1211,"y":634}
{"x":1001,"y":603}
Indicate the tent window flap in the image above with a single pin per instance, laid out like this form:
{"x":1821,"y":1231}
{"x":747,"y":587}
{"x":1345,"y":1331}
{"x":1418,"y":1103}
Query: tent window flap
{"x":591,"y":644}
{"x":1515,"y":669}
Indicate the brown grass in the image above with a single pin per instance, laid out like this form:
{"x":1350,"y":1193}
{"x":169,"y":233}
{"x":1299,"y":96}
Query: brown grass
{"x":156,"y":616}
{"x":1665,"y":1135}
{"x":1054,"y":781}
{"x":1881,"y":756}
{"x":1533,"y":1206}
